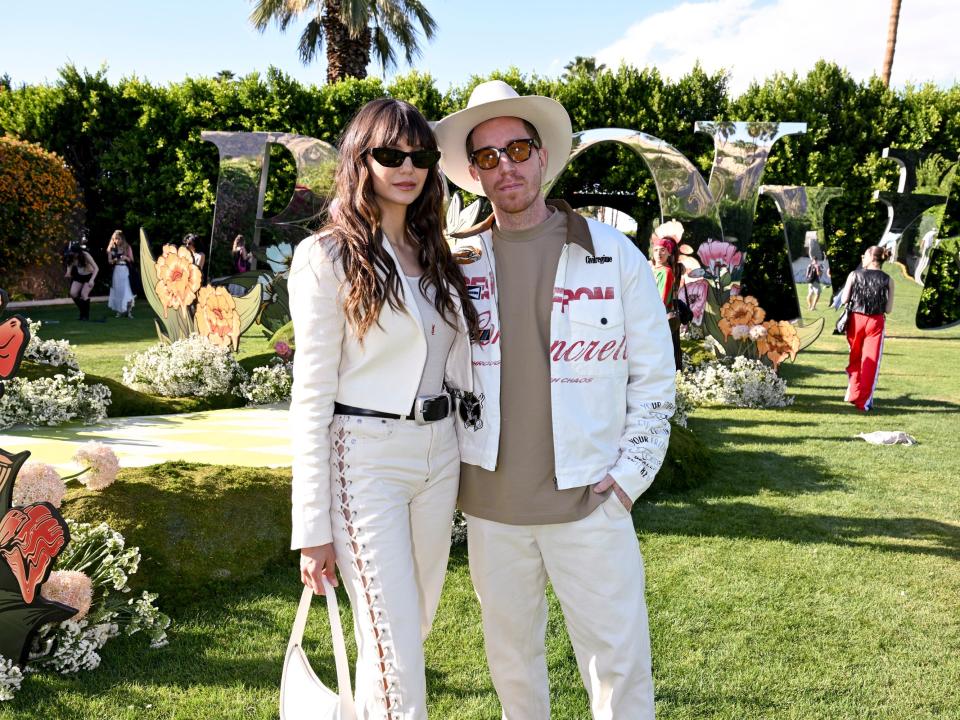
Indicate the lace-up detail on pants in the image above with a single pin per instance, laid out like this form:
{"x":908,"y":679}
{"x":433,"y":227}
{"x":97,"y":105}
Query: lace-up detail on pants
{"x":388,"y":685}
{"x":393,"y":489}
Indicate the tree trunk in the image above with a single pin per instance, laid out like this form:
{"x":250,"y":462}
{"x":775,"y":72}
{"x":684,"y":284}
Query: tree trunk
{"x":891,"y":41}
{"x":346,"y":56}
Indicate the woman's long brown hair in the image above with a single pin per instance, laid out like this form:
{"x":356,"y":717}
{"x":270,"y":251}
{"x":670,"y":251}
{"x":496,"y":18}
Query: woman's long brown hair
{"x":356,"y":224}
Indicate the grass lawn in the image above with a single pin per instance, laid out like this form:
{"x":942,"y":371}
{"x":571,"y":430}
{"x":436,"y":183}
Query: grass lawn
{"x":815,"y":577}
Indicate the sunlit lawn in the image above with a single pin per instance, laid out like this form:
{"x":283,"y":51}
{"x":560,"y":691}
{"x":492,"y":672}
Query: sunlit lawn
{"x":815,"y":577}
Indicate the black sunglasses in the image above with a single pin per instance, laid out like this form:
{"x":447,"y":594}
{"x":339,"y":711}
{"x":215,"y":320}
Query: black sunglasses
{"x":487,"y":158}
{"x":393,"y":158}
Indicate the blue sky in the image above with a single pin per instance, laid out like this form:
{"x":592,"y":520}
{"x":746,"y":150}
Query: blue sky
{"x":164,"y":42}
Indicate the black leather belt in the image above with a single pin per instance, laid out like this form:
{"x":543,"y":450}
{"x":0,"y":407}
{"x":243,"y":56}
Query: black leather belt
{"x":428,"y":409}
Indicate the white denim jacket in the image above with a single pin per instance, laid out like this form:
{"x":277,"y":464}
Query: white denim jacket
{"x":611,"y":359}
{"x":331,"y":365}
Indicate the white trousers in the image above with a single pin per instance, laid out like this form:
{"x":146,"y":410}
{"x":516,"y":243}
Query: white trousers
{"x":596,"y":570}
{"x":394,"y":486}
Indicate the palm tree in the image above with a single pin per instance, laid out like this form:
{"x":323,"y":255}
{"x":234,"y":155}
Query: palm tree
{"x":351,"y":29}
{"x":581,"y":65}
{"x":891,"y":41}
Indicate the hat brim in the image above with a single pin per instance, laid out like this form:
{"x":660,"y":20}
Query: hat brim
{"x":547,"y":115}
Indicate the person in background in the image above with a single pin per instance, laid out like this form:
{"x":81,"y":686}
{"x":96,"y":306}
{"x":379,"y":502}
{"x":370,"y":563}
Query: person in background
{"x":383,"y":324}
{"x":868,"y":294}
{"x":120,"y":255}
{"x":814,"y":272}
{"x":82,"y":271}
{"x":191,"y":242}
{"x":665,"y":263}
{"x":241,"y":256}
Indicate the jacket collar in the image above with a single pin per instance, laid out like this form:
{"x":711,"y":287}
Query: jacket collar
{"x":578,"y":231}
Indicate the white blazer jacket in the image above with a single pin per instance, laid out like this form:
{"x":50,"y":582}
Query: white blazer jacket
{"x":611,"y":359}
{"x":330,"y":365}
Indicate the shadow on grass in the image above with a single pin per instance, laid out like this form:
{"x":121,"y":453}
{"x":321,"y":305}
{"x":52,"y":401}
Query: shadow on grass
{"x":906,"y":402}
{"x":752,"y":522}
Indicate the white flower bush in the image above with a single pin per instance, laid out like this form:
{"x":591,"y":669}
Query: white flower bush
{"x":99,"y":552}
{"x":268,"y":383}
{"x":744,"y":383}
{"x":684,"y":404}
{"x":57,"y":353}
{"x":193,"y":366}
{"x":10,"y":679}
{"x":458,"y":531}
{"x":52,"y":401}
{"x":72,"y":646}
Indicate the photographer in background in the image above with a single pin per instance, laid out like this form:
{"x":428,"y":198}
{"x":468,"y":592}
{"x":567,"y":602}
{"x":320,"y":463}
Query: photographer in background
{"x":82,"y":271}
{"x":120,"y":255}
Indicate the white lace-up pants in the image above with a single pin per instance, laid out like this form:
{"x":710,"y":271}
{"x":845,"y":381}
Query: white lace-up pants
{"x":394,"y":487}
{"x":596,"y":570}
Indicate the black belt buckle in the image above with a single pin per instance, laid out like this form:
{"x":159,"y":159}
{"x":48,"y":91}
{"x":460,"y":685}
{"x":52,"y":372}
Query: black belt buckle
{"x":431,"y":408}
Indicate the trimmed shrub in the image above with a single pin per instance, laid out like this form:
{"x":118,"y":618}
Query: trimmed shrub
{"x":40,"y":211}
{"x":200,"y":528}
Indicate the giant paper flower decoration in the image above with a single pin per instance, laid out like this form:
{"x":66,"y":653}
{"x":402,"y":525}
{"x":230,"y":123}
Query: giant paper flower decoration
{"x":178,"y":279}
{"x":740,"y":311}
{"x":217,"y":317}
{"x":719,"y":254}
{"x":780,"y":342}
{"x":280,"y":258}
{"x":694,"y":293}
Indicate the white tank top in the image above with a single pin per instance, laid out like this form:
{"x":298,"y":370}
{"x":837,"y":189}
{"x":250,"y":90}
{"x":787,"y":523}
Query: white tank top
{"x":440,"y":337}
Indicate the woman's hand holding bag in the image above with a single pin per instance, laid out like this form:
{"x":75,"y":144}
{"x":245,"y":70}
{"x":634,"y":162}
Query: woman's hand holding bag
{"x":302,"y":695}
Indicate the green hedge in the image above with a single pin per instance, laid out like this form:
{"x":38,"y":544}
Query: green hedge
{"x":136,"y":150}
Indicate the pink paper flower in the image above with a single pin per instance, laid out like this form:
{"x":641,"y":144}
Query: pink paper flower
{"x":694,"y":293}
{"x":103,"y":464}
{"x":283,"y":350}
{"x":758,"y":332}
{"x":740,"y":332}
{"x":719,"y":254}
{"x":38,"y":482}
{"x":71,"y":588}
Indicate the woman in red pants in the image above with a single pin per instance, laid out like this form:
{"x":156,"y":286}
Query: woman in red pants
{"x":868,"y":295}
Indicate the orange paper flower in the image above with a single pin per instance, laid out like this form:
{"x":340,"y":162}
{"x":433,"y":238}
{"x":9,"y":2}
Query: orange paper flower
{"x":780,"y":343}
{"x":178,"y":279}
{"x":217,"y":317}
{"x":740,"y":311}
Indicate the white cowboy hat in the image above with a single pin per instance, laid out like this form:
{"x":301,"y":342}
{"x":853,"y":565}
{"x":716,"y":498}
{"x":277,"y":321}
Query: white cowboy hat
{"x":497,"y":99}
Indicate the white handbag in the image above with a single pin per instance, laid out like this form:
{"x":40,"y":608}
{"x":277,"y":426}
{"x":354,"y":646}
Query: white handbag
{"x":302,"y":695}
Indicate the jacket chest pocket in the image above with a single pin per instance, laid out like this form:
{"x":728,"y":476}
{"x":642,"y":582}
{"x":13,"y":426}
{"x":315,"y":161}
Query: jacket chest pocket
{"x":597,"y":343}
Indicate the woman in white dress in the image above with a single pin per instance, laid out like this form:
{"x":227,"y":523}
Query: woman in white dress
{"x":120,"y":255}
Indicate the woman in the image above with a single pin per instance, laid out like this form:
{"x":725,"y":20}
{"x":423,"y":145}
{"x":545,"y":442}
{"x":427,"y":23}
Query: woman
{"x":241,"y":256}
{"x":120,"y":255}
{"x":666,"y":271}
{"x":383,"y":324}
{"x":814,"y":270}
{"x":82,"y":271}
{"x":868,"y":294}
{"x":190,"y":243}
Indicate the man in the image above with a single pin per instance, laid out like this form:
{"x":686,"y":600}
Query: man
{"x":575,"y":371}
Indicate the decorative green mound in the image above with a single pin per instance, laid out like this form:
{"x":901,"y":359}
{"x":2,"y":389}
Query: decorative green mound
{"x":200,"y":528}
{"x":689,"y":464}
{"x":126,"y":402}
